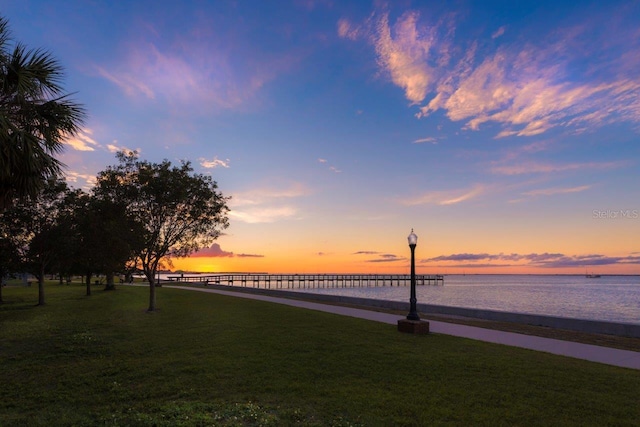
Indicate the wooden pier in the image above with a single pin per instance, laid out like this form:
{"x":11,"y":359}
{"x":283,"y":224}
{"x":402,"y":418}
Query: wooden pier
{"x":309,"y":281}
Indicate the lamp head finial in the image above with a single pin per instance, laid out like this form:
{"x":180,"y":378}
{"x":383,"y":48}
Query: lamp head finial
{"x":413,"y":239}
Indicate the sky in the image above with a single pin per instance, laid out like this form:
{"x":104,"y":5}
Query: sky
{"x":505,"y":134}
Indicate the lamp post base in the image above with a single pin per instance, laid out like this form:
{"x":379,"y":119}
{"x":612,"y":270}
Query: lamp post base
{"x":419,"y":327}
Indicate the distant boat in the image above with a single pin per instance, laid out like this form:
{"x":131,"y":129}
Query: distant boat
{"x":592,"y":276}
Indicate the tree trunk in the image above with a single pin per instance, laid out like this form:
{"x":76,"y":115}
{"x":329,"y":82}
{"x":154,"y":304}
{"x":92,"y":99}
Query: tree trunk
{"x":89,"y":277}
{"x":152,"y":290}
{"x":41,"y":286}
{"x":1,"y":286}
{"x":110,"y":286}
{"x":60,"y":278}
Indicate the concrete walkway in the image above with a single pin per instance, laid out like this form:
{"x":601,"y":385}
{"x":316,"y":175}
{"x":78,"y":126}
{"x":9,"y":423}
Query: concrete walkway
{"x":593,"y":353}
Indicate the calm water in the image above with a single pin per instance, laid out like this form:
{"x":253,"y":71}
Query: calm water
{"x":609,"y":298}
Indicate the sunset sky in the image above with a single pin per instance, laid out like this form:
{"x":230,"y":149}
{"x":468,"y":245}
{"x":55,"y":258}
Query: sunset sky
{"x":505,"y":133}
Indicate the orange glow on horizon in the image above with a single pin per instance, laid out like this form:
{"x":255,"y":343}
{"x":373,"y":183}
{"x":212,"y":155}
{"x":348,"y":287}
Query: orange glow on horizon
{"x":347,"y":265}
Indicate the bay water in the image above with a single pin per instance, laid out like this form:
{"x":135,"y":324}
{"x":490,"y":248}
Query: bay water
{"x":607,"y":298}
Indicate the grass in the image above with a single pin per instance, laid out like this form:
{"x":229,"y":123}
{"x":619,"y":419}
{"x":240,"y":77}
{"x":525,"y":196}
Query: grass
{"x":208,"y":359}
{"x":604,"y":340}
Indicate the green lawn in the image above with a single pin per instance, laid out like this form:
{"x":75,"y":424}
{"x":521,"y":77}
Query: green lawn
{"x":212,"y":360}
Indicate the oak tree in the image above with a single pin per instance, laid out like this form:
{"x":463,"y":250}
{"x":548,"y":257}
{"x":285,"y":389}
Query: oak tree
{"x":34,"y":229}
{"x":181,"y":211}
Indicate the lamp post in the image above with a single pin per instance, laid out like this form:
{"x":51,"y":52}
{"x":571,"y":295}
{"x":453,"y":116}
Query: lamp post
{"x":412,"y":324}
{"x":413,"y":312}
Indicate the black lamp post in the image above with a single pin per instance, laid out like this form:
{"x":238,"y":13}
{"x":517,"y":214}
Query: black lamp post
{"x":413,"y":313}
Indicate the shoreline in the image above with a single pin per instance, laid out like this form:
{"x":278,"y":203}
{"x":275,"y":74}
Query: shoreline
{"x":608,"y":299}
{"x":553,"y":330}
{"x":630,"y":330}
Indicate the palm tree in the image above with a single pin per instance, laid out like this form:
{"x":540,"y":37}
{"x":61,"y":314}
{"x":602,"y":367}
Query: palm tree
{"x":35,"y":118}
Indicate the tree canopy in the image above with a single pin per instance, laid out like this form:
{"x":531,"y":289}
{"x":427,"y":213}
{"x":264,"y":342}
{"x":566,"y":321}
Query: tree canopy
{"x":181,"y":211}
{"x":107,"y":238}
{"x":139,"y":212}
{"x":35,"y":118}
{"x":34,"y":231}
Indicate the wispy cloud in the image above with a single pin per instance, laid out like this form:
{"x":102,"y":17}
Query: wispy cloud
{"x":495,"y":257}
{"x":347,"y":30}
{"x":589,"y":260}
{"x":267,"y":205}
{"x":551,"y":191}
{"x":250,"y":256}
{"x":500,"y":31}
{"x":77,"y":177}
{"x":332,"y":168}
{"x":214,"y":163}
{"x":544,"y":260}
{"x":527,"y":89}
{"x":115,"y":148}
{"x":268,"y":194}
{"x":83,"y":141}
{"x":556,"y":190}
{"x":381,"y":257}
{"x":193,"y":70}
{"x":443,"y":198}
{"x":263,"y":215}
{"x":405,"y":52}
{"x":536,"y":167}
{"x":127,"y":83}
{"x":387,"y":258}
{"x":430,"y":140}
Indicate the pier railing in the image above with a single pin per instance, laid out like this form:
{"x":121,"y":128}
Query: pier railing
{"x":303,"y":281}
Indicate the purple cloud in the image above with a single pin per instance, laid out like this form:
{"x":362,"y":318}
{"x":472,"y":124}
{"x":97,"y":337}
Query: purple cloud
{"x":387,"y":258}
{"x":215,"y":251}
{"x":545,"y":260}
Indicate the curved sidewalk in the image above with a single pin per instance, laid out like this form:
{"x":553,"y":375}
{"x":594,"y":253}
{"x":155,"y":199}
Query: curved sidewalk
{"x":593,"y":353}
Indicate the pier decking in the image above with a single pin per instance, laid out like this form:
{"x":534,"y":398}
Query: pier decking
{"x":303,"y":281}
